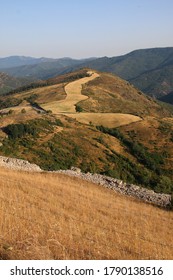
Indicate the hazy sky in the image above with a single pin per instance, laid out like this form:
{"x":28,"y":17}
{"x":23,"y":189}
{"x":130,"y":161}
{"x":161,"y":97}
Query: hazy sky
{"x":83,"y":28}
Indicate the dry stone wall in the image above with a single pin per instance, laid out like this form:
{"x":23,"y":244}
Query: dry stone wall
{"x":162,"y":200}
{"x":18,"y":164}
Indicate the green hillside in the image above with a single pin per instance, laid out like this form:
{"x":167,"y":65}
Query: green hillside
{"x":150,"y":70}
{"x":8,"y":83}
{"x":135,"y":147}
{"x":168,"y":98}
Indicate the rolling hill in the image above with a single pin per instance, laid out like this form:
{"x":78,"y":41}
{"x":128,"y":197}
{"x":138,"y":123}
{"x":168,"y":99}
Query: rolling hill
{"x":101,"y":124}
{"x":149,"y":69}
{"x":92,"y":120}
{"x":8,"y":83}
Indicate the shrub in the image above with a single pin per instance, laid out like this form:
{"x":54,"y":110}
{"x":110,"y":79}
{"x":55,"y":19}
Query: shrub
{"x":78,"y":108}
{"x":10,"y":111}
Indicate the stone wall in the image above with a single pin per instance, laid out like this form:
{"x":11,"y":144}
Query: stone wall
{"x":162,"y":200}
{"x":18,"y":164}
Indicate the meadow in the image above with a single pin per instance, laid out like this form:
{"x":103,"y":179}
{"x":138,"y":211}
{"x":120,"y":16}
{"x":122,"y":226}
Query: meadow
{"x":54,"y":216}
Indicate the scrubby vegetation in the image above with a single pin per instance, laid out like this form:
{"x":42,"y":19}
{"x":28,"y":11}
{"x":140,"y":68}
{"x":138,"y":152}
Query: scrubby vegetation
{"x":60,"y":143}
{"x":52,"y":151}
{"x":151,"y":172}
{"x":9,"y":102}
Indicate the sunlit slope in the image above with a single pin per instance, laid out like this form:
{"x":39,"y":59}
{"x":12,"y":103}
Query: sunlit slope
{"x":52,"y":216}
{"x":138,"y":151}
{"x":73,"y":96}
{"x":105,"y":119}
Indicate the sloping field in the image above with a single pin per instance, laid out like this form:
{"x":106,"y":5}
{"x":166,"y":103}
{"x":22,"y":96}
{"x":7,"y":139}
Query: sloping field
{"x":74,"y":95}
{"x":53,"y":216}
{"x":73,"y":91}
{"x":106,"y":119}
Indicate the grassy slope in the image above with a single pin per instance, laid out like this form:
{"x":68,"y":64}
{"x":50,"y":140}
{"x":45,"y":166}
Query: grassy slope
{"x":149,"y":69}
{"x":73,"y":91}
{"x":109,"y":93}
{"x":61,"y":146}
{"x":51,"y":216}
{"x":156,"y":135}
{"x":106,"y":119}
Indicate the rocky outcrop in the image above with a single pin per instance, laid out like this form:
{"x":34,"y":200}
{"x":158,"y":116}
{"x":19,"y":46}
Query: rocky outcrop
{"x":18,"y":164}
{"x":162,"y":200}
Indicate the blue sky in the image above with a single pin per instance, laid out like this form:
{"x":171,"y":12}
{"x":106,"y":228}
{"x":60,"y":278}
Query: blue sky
{"x":79,"y":29}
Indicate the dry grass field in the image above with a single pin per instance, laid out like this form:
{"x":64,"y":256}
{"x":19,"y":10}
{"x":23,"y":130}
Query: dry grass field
{"x":53,"y":216}
{"x":106,"y":119}
{"x":45,"y":93}
{"x":73,"y":91}
{"x":74,"y":95}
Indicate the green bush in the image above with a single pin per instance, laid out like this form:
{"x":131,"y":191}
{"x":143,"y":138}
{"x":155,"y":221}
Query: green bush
{"x":9,"y":102}
{"x":151,"y":160}
{"x":78,"y":108}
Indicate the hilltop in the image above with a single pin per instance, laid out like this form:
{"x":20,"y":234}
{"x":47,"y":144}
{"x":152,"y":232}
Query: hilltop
{"x":94,"y":121}
{"x":150,"y":70}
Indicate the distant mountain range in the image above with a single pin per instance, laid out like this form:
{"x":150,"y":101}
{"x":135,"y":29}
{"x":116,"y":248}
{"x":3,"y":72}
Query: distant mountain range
{"x":150,"y":70}
{"x":38,"y":68}
{"x":15,"y":61}
{"x":8,"y":83}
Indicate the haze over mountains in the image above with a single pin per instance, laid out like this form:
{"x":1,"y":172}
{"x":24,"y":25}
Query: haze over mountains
{"x":150,"y":70}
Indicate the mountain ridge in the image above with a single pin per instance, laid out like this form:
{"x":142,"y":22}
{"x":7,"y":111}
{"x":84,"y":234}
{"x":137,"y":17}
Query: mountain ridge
{"x":140,"y":67}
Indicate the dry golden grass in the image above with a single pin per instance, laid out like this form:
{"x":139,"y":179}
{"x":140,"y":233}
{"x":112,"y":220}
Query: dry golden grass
{"x":73,"y":91}
{"x":44,"y":94}
{"x":106,"y":119}
{"x":74,"y":95}
{"x":52,"y":216}
{"x":17,"y":115}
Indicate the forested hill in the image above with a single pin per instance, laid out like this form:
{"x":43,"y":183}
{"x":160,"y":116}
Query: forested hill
{"x":150,"y":70}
